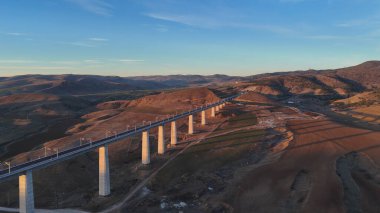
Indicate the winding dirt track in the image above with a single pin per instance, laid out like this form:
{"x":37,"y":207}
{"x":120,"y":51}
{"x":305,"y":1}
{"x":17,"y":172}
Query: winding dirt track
{"x":304,"y":179}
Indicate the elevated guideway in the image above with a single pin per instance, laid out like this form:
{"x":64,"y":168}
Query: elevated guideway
{"x":24,"y":171}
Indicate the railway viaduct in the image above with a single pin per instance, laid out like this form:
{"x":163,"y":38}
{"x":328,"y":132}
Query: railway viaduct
{"x":24,"y":171}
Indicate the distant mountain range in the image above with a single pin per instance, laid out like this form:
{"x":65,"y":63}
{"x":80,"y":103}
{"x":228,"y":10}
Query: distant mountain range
{"x":93,"y":84}
{"x":337,"y":82}
{"x":311,"y":82}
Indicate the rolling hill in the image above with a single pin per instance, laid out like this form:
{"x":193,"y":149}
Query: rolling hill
{"x":333,"y":83}
{"x":93,"y":84}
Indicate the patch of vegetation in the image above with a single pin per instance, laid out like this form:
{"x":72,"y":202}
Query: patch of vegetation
{"x":215,"y":152}
{"x":361,"y":103}
{"x":240,"y":120}
{"x":209,"y":155}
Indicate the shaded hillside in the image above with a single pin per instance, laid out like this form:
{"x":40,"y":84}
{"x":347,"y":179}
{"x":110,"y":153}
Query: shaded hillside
{"x":93,"y":84}
{"x":72,"y":84}
{"x":318,"y":85}
{"x":27,"y":120}
{"x":189,"y":80}
{"x":366,"y":74}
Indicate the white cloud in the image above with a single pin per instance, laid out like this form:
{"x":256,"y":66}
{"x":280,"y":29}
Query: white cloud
{"x":35,"y":68}
{"x":210,"y":22}
{"x":16,"y":34}
{"x":367,"y":22}
{"x":81,"y":44}
{"x":65,"y":62}
{"x":98,"y":39}
{"x":17,"y":61}
{"x":130,"y":60}
{"x":99,"y":7}
{"x":326,"y":37}
{"x":93,"y":61}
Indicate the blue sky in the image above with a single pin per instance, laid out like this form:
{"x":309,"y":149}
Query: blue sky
{"x":149,"y":37}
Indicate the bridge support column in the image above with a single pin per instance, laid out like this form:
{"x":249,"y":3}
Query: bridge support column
{"x":217,"y":108}
{"x":203,"y":118}
{"x":173,"y":138}
{"x":104,"y":172}
{"x":161,"y":141}
{"x":145,"y":150}
{"x":191,"y":124}
{"x":213,"y":112}
{"x":220,"y":106}
{"x":26,"y":196}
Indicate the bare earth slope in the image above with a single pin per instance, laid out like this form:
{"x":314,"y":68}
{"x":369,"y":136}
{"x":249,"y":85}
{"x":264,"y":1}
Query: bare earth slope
{"x":367,"y":74}
{"x":306,"y":177}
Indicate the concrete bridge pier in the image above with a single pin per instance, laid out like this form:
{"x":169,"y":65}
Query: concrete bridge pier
{"x":161,"y":141}
{"x":217,"y":108}
{"x":203,"y":118}
{"x":191,"y":124}
{"x":26,"y":196}
{"x":104,"y":172}
{"x":145,"y":149}
{"x":173,"y":138}
{"x":213,"y":112}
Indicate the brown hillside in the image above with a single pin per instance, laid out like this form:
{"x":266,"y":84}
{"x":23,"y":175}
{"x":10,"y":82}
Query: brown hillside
{"x":361,"y":97}
{"x":25,"y":98}
{"x":112,"y":105}
{"x":180,"y":99}
{"x":266,"y":90}
{"x":340,"y":87}
{"x":27,"y":120}
{"x":255,"y":97}
{"x":367,"y":74}
{"x":304,"y":85}
{"x":149,"y":108}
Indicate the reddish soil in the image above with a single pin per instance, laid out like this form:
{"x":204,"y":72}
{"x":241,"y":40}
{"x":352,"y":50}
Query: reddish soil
{"x":305,"y":178}
{"x":256,"y":98}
